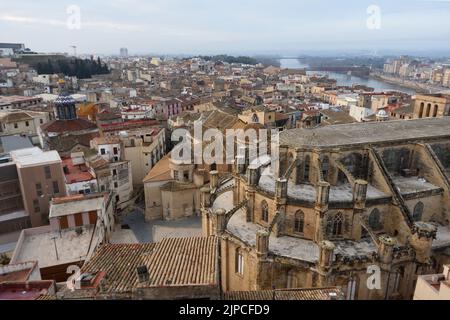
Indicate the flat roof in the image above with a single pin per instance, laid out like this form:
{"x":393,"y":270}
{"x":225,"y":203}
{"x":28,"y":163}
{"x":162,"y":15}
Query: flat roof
{"x":366,"y":133}
{"x":34,"y":156}
{"x":76,"y":206}
{"x":52,"y":248}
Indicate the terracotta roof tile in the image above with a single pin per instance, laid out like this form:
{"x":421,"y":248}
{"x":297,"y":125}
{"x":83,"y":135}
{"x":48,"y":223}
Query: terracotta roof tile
{"x":173,"y":261}
{"x":287,"y":294}
{"x":62,"y":126}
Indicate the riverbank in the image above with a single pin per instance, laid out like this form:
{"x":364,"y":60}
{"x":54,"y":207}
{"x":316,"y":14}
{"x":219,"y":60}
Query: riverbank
{"x":418,"y":87}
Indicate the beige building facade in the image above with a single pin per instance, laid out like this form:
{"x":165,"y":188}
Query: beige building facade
{"x":41,"y":178}
{"x":433,"y":105}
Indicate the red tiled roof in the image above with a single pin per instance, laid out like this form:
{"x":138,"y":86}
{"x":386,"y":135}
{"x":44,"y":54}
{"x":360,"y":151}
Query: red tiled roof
{"x":61,"y":126}
{"x":76,"y":173}
{"x":171,"y":262}
{"x":287,"y":294}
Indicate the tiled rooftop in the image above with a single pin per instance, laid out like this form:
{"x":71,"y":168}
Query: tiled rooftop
{"x":171,"y":262}
{"x":332,"y":293}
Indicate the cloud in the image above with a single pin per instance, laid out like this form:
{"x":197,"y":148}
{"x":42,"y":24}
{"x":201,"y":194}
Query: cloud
{"x":84,"y":24}
{"x":30,"y":20}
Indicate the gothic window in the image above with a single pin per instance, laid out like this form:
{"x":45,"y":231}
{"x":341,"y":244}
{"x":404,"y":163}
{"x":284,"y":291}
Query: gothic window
{"x":306,"y":168}
{"x":325,"y":167}
{"x":255,"y":118}
{"x":374,"y":220}
{"x":336,"y":225}
{"x":298,"y":175}
{"x":239,"y":262}
{"x":351,"y":289}
{"x":299,"y":222}
{"x":264,"y":211}
{"x":418,"y":211}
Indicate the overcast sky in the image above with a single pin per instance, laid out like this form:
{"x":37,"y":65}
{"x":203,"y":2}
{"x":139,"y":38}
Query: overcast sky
{"x":228,"y":26}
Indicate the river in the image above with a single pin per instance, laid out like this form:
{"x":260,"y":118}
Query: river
{"x":346,"y":80}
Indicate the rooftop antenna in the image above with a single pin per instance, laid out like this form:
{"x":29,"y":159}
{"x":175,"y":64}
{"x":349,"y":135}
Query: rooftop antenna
{"x":74,"y":50}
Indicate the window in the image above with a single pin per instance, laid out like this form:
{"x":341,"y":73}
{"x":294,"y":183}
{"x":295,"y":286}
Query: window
{"x":306,"y":169}
{"x":291,"y":279}
{"x":255,"y":118}
{"x":116,"y":185}
{"x":47,"y":172}
{"x":41,"y":121}
{"x":351,"y":289}
{"x":175,"y":175}
{"x":36,"y":206}
{"x":117,"y":198}
{"x":374,"y":220}
{"x":102,"y":151}
{"x":38,"y":189}
{"x":55,"y":187}
{"x":264,"y":211}
{"x":239,"y":262}
{"x":298,"y":175}
{"x":27,"y":123}
{"x":15,"y":125}
{"x":418,"y":211}
{"x":115,"y":150}
{"x":325,"y":167}
{"x":336,"y":225}
{"x":186,"y":175}
{"x":114,"y":172}
{"x":299,"y":222}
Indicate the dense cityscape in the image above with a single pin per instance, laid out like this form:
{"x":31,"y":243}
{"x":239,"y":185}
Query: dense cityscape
{"x":132,"y":176}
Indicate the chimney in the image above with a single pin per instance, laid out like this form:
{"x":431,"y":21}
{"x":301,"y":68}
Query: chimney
{"x":142,"y":273}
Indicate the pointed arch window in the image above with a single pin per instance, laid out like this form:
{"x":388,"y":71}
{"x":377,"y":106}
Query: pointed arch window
{"x":337,"y":225}
{"x":298,"y":174}
{"x":418,"y":212}
{"x":325,"y":167}
{"x":264,"y":211}
{"x":299,"y":222}
{"x":239,"y":261}
{"x":306,"y":168}
{"x":375,"y":220}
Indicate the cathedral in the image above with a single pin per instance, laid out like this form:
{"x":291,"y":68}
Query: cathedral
{"x":361,"y":206}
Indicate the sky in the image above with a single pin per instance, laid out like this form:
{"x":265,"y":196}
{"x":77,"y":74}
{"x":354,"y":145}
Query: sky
{"x":283,"y":27}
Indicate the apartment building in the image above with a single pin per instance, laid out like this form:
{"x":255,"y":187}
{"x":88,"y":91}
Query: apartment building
{"x":16,"y":121}
{"x":41,"y":178}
